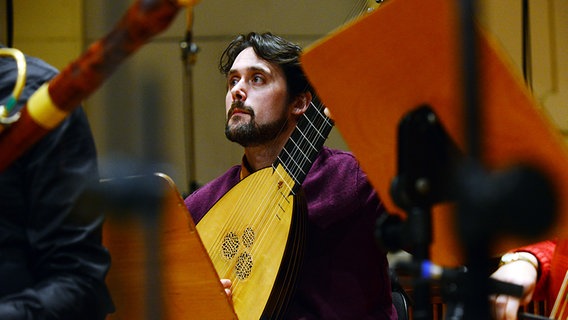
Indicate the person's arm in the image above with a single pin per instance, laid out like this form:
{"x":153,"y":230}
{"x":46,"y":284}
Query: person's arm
{"x":528,"y":267}
{"x":66,"y":258}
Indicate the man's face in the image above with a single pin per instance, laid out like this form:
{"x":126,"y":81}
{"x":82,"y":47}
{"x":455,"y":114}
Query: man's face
{"x":256,"y":101}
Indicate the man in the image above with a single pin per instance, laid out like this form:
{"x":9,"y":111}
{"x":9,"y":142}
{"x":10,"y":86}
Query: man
{"x":344,"y":273}
{"x":52,"y":262}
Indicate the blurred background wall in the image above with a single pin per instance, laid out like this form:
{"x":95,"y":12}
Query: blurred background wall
{"x":140,"y":115}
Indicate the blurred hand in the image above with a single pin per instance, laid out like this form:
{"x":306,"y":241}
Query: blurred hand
{"x":520,"y":273}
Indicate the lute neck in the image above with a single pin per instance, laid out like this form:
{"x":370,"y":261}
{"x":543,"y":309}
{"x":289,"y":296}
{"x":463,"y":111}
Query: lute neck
{"x":305,"y":143}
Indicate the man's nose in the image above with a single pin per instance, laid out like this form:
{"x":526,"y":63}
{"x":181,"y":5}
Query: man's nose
{"x":239,"y":91}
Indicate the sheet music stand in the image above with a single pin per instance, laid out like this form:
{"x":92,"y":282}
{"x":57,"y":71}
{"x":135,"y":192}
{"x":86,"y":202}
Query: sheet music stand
{"x":405,"y":54}
{"x":160,"y":269}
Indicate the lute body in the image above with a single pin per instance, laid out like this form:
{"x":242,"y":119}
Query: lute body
{"x":246,"y":234}
{"x":255,"y":233}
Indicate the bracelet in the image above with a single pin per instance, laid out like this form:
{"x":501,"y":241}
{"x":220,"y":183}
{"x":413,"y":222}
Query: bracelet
{"x":518,"y":256}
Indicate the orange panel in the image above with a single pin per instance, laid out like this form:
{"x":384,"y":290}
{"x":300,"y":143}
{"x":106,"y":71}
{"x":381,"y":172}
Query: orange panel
{"x":405,"y":54}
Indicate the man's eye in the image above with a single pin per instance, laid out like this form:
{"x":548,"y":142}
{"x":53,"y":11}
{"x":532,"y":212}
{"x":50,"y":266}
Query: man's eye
{"x":233,"y":82}
{"x":257,"y":79}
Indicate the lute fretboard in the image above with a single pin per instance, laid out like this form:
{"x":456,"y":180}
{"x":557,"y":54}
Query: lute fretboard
{"x":305,"y":143}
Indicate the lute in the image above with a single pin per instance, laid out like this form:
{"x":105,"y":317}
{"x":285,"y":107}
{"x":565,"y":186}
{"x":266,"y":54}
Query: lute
{"x":255,"y":233}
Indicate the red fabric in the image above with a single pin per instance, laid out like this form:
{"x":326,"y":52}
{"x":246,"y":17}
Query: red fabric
{"x":545,"y":251}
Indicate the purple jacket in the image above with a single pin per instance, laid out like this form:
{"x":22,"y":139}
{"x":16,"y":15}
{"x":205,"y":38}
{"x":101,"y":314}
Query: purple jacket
{"x":345,"y":274}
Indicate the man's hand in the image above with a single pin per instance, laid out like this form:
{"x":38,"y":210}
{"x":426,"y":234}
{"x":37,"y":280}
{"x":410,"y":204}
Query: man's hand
{"x":227,"y":285}
{"x":327,"y":113}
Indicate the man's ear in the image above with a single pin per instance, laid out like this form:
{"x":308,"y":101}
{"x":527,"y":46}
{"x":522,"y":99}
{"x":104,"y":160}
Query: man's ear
{"x":301,"y":103}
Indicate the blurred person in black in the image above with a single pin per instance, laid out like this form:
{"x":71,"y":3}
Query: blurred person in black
{"x":52,"y":261}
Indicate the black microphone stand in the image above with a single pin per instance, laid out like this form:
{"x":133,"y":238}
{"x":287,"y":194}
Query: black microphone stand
{"x":519,"y":201}
{"x":425,"y":157}
{"x":189,"y":50}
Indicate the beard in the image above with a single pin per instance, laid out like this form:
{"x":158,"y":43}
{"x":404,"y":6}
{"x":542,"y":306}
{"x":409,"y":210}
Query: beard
{"x":251,"y":133}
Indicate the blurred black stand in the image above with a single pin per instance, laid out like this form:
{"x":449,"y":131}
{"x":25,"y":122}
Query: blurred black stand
{"x":189,"y":50}
{"x":425,"y":157}
{"x":517,"y":201}
{"x":133,"y":200}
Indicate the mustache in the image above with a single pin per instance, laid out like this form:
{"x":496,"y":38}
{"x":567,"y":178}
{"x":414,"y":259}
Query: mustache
{"x":240,"y":106}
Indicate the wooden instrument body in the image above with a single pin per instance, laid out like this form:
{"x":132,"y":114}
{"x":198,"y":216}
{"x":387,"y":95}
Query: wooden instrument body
{"x":246,"y":234}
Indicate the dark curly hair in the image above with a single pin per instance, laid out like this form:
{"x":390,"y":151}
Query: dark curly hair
{"x":273,"y":49}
